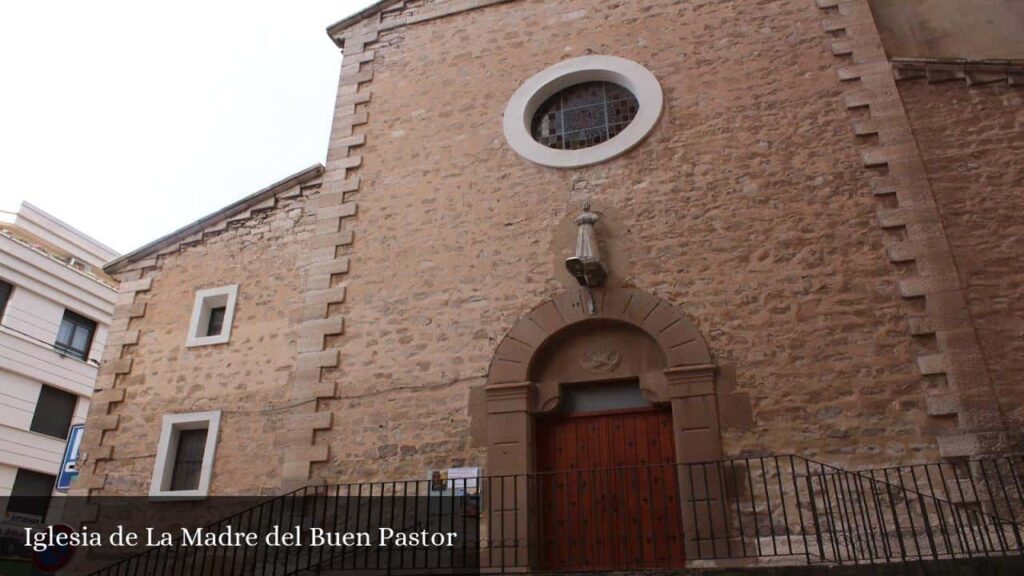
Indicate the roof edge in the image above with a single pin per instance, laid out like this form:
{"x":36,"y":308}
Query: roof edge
{"x":974,"y":72}
{"x":297,"y":178}
{"x":334,"y":29}
{"x":76,"y":236}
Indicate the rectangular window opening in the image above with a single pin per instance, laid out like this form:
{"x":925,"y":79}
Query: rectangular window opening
{"x":188,"y":460}
{"x":212,"y":314}
{"x":31,"y":493}
{"x":216,"y":324}
{"x":5,"y":295}
{"x":54,"y":410}
{"x":185,"y":455}
{"x":74,"y":337}
{"x":601,"y":397}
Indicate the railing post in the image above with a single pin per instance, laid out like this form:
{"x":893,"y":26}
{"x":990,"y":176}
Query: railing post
{"x":814,"y":510}
{"x":1016,"y":512}
{"x":926,"y":522}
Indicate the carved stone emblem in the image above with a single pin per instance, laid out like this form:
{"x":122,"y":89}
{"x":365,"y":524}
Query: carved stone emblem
{"x":601,"y":361}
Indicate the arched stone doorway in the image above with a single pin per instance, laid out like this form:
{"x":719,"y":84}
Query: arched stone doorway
{"x":602,"y":335}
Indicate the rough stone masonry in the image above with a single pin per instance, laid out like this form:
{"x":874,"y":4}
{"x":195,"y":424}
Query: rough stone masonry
{"x":777,"y":203}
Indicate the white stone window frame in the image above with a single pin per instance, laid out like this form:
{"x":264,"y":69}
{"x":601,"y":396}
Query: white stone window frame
{"x":206,"y":300}
{"x":167,"y":449}
{"x":535,"y":91}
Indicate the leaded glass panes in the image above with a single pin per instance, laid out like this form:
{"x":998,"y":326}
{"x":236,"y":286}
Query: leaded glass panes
{"x":584,"y":115}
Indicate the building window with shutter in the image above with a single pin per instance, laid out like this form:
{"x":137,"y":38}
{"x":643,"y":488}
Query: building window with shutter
{"x":212,"y":314}
{"x":54,"y":410}
{"x":185,"y":455}
{"x":30,"y":495}
{"x":74,"y":337}
{"x":5,"y":295}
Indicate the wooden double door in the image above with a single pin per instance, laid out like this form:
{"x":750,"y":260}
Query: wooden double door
{"x":608,"y":491}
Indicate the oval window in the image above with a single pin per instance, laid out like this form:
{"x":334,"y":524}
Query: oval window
{"x":582,"y":111}
{"x":584,"y":115}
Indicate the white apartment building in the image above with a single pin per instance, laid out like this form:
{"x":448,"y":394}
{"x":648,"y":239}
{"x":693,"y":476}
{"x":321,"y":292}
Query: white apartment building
{"x":55,"y":310}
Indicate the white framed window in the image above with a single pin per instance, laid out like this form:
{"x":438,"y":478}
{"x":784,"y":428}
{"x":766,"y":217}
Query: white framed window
{"x":185,"y":454}
{"x":583,"y":111}
{"x":212,"y":313}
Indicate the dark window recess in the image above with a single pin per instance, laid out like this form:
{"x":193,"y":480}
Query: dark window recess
{"x":584,"y":115}
{"x":602,"y":397}
{"x":53,"y":412}
{"x":216,"y":321}
{"x":5,"y":295}
{"x":31,"y":493}
{"x":75,"y":335}
{"x":188,"y":460}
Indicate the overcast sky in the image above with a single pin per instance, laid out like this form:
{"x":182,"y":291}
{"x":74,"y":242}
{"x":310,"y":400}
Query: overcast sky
{"x":129,"y":119}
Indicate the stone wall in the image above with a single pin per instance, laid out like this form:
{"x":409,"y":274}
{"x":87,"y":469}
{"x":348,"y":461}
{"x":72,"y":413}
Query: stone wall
{"x":772,"y":203}
{"x":977,"y":29}
{"x":152,"y":373}
{"x":748,"y":206}
{"x":972,"y":142}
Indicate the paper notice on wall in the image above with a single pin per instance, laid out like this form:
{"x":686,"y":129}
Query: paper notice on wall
{"x":454,"y":481}
{"x":463,"y":480}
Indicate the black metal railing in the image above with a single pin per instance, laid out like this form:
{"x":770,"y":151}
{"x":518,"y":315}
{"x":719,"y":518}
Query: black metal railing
{"x":642,"y":517}
{"x":792,"y":506}
{"x":994,"y":484}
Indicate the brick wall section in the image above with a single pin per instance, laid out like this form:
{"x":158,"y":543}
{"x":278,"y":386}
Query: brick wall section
{"x":148,"y":371}
{"x":949,"y":356}
{"x":748,"y":206}
{"x":972,"y":142}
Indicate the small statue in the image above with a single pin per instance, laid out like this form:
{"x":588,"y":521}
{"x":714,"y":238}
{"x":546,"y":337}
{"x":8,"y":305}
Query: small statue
{"x":586,"y":266}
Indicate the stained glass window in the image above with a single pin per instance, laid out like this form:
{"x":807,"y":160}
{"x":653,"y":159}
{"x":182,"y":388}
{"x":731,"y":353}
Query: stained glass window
{"x":584,"y":115}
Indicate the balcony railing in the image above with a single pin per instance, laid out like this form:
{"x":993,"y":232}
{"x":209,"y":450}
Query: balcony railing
{"x":789,"y":509}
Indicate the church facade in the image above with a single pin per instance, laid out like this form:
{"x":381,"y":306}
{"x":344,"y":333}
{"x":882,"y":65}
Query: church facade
{"x":575,"y":235}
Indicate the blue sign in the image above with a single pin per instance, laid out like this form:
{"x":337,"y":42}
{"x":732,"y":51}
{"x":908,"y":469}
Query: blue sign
{"x":69,"y":467}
